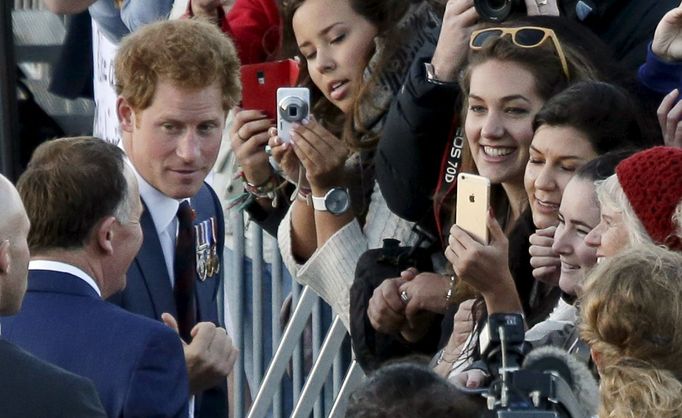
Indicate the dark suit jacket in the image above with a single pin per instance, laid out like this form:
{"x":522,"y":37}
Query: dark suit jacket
{"x":30,"y":387}
{"x":149,"y":290}
{"x":137,"y":365}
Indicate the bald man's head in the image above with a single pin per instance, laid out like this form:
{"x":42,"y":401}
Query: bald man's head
{"x":14,"y":254}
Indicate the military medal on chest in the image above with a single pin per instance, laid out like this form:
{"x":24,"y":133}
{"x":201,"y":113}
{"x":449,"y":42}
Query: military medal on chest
{"x":207,"y":260}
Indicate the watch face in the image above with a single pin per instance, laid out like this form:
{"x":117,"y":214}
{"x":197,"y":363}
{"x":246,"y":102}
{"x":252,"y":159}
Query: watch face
{"x":337,"y":201}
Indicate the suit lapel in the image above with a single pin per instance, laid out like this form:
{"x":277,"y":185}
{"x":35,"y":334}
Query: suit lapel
{"x":153,"y":268}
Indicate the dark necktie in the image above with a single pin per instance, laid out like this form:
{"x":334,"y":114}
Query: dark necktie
{"x":184,"y":266}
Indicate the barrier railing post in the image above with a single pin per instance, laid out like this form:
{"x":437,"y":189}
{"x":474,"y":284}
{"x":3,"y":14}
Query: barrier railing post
{"x":257,"y":301}
{"x":237,"y":279}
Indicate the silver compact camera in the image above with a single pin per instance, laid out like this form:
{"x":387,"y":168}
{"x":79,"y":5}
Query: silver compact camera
{"x":293,"y":106}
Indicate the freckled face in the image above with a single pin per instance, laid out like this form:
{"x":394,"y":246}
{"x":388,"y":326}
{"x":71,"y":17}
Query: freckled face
{"x":555,"y":154}
{"x":336,"y":43}
{"x":501,"y":105}
{"x":175,"y":141}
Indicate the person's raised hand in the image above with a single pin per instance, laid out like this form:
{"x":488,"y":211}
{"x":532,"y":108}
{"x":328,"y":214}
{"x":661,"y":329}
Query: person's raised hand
{"x":208,"y":9}
{"x":322,"y":154}
{"x":286,"y":159}
{"x":209,"y":357}
{"x":453,"y":42}
{"x":386,"y":311}
{"x":545,"y":262}
{"x":248,"y":137}
{"x":667,"y":42}
{"x":669,"y":116}
{"x":483,"y":266}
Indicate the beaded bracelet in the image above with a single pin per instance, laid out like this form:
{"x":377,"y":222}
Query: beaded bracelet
{"x":267,"y":190}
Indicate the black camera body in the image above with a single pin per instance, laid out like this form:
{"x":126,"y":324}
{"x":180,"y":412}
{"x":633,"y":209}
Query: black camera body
{"x":540,"y":388}
{"x":499,"y":10}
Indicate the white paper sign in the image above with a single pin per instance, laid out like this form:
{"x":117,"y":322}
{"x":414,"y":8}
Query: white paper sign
{"x":106,"y":120}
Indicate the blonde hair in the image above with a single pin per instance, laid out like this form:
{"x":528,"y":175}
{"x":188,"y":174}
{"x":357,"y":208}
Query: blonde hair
{"x":191,"y":54}
{"x":611,"y":194}
{"x":631,"y":311}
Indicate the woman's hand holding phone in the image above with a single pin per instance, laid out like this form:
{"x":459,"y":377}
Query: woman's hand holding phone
{"x":485,"y":267}
{"x":482,"y":266}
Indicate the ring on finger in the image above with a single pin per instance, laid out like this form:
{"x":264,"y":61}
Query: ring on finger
{"x":404,"y":296}
{"x":268,"y":150}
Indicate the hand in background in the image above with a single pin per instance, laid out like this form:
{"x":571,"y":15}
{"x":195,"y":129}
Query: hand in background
{"x":248,"y":137}
{"x":453,"y":43}
{"x":208,"y":9}
{"x":667,"y":42}
{"x":386,"y":311}
{"x":669,"y":116}
{"x":545,"y":262}
{"x":462,"y":327}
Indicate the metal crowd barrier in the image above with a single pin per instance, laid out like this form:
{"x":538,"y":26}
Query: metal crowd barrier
{"x":28,"y":4}
{"x":321,"y":391}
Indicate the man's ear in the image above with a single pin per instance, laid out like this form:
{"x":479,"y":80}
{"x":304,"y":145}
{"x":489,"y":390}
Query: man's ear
{"x":5,"y":260}
{"x":126,"y":114}
{"x":105,"y":235}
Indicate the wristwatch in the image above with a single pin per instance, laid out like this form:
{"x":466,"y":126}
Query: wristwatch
{"x":431,"y":76}
{"x":336,"y":201}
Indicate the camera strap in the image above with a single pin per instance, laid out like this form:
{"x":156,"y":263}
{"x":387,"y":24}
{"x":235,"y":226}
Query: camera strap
{"x":450,"y":166}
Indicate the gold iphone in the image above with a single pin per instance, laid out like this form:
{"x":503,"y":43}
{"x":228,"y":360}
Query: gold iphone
{"x":473,"y":200}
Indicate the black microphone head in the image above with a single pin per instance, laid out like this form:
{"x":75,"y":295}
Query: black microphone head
{"x":573,"y":371}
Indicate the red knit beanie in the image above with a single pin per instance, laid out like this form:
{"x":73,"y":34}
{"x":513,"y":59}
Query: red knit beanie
{"x":652,"y":182}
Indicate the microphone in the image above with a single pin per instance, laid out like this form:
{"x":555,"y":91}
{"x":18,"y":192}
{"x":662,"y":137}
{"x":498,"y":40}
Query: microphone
{"x":571,"y":370}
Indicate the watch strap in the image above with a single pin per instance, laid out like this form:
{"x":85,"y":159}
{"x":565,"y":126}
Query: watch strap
{"x":430,"y":72}
{"x":318,"y":203}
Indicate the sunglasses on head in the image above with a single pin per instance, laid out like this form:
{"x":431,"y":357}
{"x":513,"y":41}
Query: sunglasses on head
{"x":523,"y":37}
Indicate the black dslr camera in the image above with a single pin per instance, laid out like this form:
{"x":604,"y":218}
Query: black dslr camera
{"x":539,"y":384}
{"x":499,"y":10}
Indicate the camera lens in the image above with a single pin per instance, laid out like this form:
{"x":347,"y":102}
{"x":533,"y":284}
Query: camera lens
{"x":293,"y":109}
{"x":496,"y":4}
{"x":499,"y":10}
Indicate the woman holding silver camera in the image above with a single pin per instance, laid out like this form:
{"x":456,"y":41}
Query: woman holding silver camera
{"x":338,"y":211}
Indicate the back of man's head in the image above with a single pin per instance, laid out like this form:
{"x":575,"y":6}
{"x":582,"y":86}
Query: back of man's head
{"x":407,"y":389}
{"x":14,"y":254}
{"x":70,"y":184}
{"x":188,"y":53}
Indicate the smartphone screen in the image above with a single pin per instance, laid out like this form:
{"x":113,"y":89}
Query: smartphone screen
{"x":473,"y":201}
{"x":261,"y":81}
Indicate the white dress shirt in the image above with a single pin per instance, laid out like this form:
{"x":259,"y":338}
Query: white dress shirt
{"x":163,"y":210}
